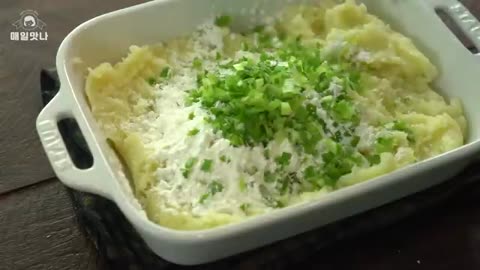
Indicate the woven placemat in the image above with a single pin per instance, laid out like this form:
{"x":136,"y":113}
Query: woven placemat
{"x":122,"y":248}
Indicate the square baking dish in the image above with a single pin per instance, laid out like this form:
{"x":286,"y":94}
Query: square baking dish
{"x":107,"y":39}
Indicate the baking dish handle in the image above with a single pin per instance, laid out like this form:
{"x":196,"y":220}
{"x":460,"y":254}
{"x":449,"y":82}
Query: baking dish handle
{"x":468,"y":23}
{"x":89,"y":180}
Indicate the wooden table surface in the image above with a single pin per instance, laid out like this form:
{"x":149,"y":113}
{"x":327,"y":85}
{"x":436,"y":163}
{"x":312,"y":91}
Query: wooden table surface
{"x":37,"y":223}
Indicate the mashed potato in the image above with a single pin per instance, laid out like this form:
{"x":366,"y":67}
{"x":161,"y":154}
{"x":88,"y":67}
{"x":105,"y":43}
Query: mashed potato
{"x":220,"y":126}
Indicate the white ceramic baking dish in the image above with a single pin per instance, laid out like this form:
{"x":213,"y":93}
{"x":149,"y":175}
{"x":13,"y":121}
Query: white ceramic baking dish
{"x":107,"y":38}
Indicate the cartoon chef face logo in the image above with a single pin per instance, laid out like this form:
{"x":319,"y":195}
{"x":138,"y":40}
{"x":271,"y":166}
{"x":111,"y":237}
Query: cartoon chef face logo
{"x":29,"y":21}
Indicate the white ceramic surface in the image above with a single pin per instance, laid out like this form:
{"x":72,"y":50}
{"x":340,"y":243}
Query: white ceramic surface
{"x":107,"y":38}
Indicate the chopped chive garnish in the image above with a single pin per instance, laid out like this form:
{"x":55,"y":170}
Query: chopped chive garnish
{"x":269,"y":177}
{"x":344,"y":110}
{"x":152,"y":81}
{"x":269,"y":199}
{"x":402,"y":126}
{"x":310,"y":172}
{"x":165,"y":73}
{"x":188,"y":167}
{"x":223,"y":21}
{"x":266,"y":153}
{"x":355,"y":140}
{"x":204,"y":197}
{"x":216,"y":187}
{"x":384,"y":144}
{"x":191,"y":116}
{"x":254,"y":101}
{"x":285,"y":109}
{"x":240,"y":67}
{"x":244,"y":207}
{"x":207,"y":165}
{"x":374,"y":159}
{"x":259,"y":28}
{"x":193,"y":132}
{"x":284,"y":159}
{"x":213,"y":188}
{"x":242,"y":185}
{"x":286,"y":93}
{"x":197,"y":63}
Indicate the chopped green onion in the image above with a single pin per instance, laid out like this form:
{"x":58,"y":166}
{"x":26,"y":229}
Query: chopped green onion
{"x":289,"y":86}
{"x":165,"y":72}
{"x":285,"y":108}
{"x":244,"y":207}
{"x":207,"y":165}
{"x":254,"y":102}
{"x":355,"y":140}
{"x":374,"y":159}
{"x":188,"y":167}
{"x":152,"y":81}
{"x":213,"y":188}
{"x":269,"y":199}
{"x":240,"y":67}
{"x":266,"y":153}
{"x":384,"y":144}
{"x":259,"y":28}
{"x":223,"y":21}
{"x":204,"y":197}
{"x":284,"y":159}
{"x":197,"y":63}
{"x":268,"y":177}
{"x":402,"y":126}
{"x":191,"y":116}
{"x":344,"y":110}
{"x":193,"y":132}
{"x":242,"y":185}
{"x":310,"y":172}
